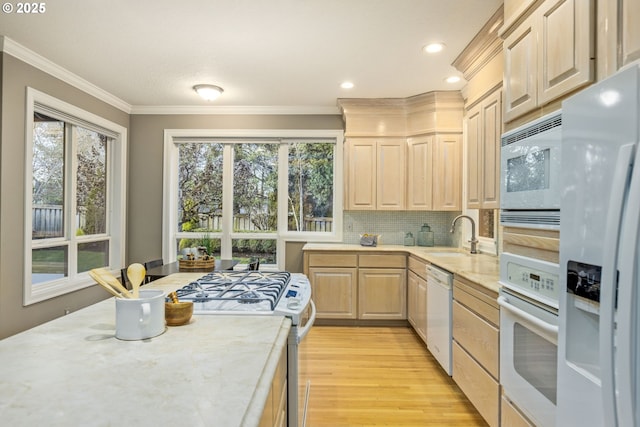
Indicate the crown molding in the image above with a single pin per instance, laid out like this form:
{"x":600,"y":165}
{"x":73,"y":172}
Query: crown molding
{"x":482,"y":48}
{"x":28,"y":56}
{"x":233,"y":110}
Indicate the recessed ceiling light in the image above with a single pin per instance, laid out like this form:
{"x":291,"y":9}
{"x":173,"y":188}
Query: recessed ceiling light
{"x":433,"y":47}
{"x":208,"y":92}
{"x":452,"y":79}
{"x":346,"y":85}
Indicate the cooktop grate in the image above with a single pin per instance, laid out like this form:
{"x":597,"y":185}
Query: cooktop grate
{"x":241,"y":287}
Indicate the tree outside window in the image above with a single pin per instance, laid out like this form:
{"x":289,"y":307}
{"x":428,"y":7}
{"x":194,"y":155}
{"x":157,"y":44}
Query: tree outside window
{"x":249,"y":171}
{"x":60,"y":150}
{"x":310,"y":186}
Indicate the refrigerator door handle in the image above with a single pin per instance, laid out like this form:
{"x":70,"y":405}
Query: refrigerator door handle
{"x":609,"y":276}
{"x":627,"y":299}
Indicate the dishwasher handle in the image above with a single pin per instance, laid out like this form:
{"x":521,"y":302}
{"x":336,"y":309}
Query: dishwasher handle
{"x":432,"y":280}
{"x":441,"y":277}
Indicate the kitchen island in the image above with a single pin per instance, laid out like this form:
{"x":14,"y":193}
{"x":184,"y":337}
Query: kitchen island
{"x":72,"y":371}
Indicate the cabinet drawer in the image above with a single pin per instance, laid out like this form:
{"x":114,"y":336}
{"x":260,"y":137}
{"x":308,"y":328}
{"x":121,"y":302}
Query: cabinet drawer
{"x":418,"y":266}
{"x":333,"y":260}
{"x":482,"y":390}
{"x":382,"y":261}
{"x":478,"y":300}
{"x":478,"y":337}
{"x":510,"y":416}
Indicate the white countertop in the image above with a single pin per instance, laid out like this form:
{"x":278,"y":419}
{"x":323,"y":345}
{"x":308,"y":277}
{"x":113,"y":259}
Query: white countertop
{"x":72,"y":371}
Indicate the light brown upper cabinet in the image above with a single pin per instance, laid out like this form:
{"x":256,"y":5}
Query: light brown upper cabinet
{"x":618,"y":35}
{"x":629,"y":41}
{"x":434,"y":172}
{"x":375,"y":173}
{"x":361,"y":173}
{"x":484,"y":127}
{"x":403,"y":154}
{"x":549,"y":54}
{"x":447,"y":173}
{"x":420,"y":173}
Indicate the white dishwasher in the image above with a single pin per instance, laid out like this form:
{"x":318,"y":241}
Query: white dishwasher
{"x":439,"y":301}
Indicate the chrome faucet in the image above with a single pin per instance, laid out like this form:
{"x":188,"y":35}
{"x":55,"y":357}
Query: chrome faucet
{"x":473,"y":241}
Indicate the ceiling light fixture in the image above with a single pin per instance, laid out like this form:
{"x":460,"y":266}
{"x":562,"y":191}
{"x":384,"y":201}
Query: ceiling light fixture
{"x":433,"y":47}
{"x":346,"y":85}
{"x":208,"y":92}
{"x":452,"y":79}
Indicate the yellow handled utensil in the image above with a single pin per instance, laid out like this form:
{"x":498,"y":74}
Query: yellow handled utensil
{"x":95,"y":275}
{"x":136,"y":273}
{"x":113,"y":282}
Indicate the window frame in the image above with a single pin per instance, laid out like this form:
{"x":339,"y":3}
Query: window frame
{"x":115,"y":206}
{"x":282,"y":235}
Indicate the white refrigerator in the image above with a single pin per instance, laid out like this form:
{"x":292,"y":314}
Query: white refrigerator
{"x":599,"y":326}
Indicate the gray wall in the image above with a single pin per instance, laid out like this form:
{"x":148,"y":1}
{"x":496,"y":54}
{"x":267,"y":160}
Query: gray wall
{"x":144,"y":190}
{"x":15,"y":77}
{"x":144,"y":219}
{"x":294,"y":259}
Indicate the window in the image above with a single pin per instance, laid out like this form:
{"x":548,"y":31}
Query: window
{"x":487,"y":223}
{"x":74,"y":177}
{"x":310,"y":186}
{"x":244,"y":193}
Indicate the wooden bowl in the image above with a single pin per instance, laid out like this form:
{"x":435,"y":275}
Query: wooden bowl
{"x":178,"y":313}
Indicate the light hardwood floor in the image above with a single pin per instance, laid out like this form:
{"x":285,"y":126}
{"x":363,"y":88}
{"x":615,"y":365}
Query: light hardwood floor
{"x":378,"y":376}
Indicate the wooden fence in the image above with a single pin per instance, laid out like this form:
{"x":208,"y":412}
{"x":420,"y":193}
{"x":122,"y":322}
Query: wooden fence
{"x":245,"y":223}
{"x":48,"y":221}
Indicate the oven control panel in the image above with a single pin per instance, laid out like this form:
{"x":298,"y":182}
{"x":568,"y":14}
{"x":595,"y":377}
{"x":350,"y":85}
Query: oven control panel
{"x":537,"y":279}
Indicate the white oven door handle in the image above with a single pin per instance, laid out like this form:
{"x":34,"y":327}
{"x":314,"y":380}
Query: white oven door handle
{"x":302,"y":332}
{"x":550,"y":332}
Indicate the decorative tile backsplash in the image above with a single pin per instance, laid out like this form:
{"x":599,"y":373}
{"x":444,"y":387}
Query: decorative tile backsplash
{"x":392,"y":226}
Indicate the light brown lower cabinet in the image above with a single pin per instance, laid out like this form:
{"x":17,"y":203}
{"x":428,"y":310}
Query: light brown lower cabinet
{"x":358,"y":286}
{"x":275,"y":409}
{"x":417,"y":296}
{"x":334,"y":292}
{"x":382,"y":293}
{"x":417,"y":304}
{"x":334,"y":283}
{"x":510,"y":416}
{"x":480,"y":388}
{"x":476,"y":347}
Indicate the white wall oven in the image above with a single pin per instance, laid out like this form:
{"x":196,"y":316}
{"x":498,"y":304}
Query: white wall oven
{"x":530,"y":174}
{"x":529,"y":335}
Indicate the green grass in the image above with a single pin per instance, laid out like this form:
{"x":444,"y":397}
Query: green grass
{"x":54,"y":260}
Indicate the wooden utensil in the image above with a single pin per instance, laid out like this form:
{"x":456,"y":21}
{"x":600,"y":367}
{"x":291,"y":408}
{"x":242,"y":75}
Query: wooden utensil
{"x":113,"y":282}
{"x":178,"y":313}
{"x":174,"y":297}
{"x":136,"y":273}
{"x":96,"y":276}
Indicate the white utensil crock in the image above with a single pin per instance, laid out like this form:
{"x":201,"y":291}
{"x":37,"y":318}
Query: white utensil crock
{"x":140,"y":318}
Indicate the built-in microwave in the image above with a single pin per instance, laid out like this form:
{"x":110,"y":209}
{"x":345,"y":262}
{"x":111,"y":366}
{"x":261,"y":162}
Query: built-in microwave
{"x":530,"y":174}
